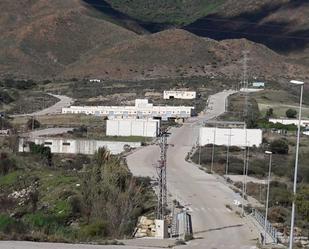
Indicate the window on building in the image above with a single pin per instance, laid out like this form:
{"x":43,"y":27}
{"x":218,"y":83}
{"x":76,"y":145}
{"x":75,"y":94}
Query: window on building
{"x":66,"y":144}
{"x":48,"y":143}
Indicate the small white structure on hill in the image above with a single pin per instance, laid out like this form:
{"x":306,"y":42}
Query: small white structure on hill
{"x":95,"y":80}
{"x":179,"y":94}
{"x":141,"y":109}
{"x":258,"y":84}
{"x":133,"y":127}
{"x":287,"y":121}
{"x":76,"y":146}
{"x":231,"y":137}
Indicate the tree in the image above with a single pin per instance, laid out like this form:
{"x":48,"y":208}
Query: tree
{"x":291,"y":113}
{"x":33,"y":124}
{"x":279,"y":146}
{"x":111,"y":195}
{"x":269,"y":113}
{"x":44,"y":152}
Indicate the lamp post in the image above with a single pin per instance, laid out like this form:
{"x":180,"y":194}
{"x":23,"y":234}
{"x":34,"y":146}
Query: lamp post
{"x":301,"y":84}
{"x":228,"y":151}
{"x":244,"y":170}
{"x":267,"y":196}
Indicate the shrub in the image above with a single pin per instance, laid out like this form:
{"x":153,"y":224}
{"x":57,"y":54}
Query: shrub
{"x":6,"y":164}
{"x":291,"y":113}
{"x":9,"y":225}
{"x":41,"y":150}
{"x":97,"y":229}
{"x":279,"y":146}
{"x":33,"y":124}
{"x":5,"y":97}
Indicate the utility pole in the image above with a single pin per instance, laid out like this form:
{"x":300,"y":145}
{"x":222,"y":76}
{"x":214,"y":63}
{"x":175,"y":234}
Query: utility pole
{"x":32,"y":126}
{"x":228,"y":151}
{"x":161,"y":169}
{"x":213,"y":150}
{"x":199,"y":149}
{"x":244,"y":170}
{"x":247,"y":167}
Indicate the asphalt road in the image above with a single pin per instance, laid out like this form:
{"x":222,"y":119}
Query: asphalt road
{"x":34,"y":245}
{"x":205,"y":196}
{"x":64,"y":101}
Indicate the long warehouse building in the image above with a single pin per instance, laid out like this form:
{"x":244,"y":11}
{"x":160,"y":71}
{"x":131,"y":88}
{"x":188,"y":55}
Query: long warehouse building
{"x":133,"y":127}
{"x":76,"y":146}
{"x":141,"y":109}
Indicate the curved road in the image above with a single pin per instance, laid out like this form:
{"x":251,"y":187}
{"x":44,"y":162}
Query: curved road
{"x":64,"y":101}
{"x":206,"y":197}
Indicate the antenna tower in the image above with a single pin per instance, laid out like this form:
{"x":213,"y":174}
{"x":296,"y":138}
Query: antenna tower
{"x":245,"y":81}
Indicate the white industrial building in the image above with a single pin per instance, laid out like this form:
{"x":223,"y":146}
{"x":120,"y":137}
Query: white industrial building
{"x":133,"y":127}
{"x":232,"y":137}
{"x":179,"y":95}
{"x":141,"y":109}
{"x":289,"y":121}
{"x":76,"y":146}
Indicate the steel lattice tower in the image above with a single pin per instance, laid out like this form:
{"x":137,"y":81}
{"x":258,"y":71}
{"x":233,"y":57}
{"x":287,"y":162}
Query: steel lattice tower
{"x":245,"y":81}
{"x":161,"y":169}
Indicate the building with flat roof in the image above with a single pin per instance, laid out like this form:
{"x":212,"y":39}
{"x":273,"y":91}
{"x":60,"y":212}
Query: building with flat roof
{"x":76,"y":146}
{"x":258,"y":84}
{"x":179,"y":94}
{"x":133,"y":127}
{"x":141,"y":109}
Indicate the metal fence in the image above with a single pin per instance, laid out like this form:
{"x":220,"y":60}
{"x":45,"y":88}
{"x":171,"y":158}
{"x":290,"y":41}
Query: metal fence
{"x":260,"y":218}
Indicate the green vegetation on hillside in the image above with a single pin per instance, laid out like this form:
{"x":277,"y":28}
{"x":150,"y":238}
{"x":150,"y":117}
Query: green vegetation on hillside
{"x":176,"y":12}
{"x":77,"y":198}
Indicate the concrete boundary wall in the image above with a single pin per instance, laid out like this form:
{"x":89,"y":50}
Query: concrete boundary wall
{"x":220,"y":136}
{"x":133,"y":127}
{"x":76,"y":146}
{"x":286,"y":121}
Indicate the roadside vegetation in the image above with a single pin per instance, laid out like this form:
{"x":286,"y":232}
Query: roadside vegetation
{"x":56,"y":198}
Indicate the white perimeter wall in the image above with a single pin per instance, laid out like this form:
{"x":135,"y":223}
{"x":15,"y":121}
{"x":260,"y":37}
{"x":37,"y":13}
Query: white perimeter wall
{"x":132,"y":127}
{"x":254,"y":136}
{"x":72,"y":146}
{"x":289,"y":121}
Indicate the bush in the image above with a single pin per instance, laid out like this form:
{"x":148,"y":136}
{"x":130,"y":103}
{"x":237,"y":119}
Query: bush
{"x":98,"y":229}
{"x":279,"y":146}
{"x":33,"y":124}
{"x":41,"y":150}
{"x":291,"y":113}
{"x":9,"y":225}
{"x":5,"y":97}
{"x":6,"y":164}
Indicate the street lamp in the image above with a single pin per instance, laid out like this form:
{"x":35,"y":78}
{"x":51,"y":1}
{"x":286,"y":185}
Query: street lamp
{"x":301,"y":84}
{"x":213,"y":150}
{"x":267,"y":196}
